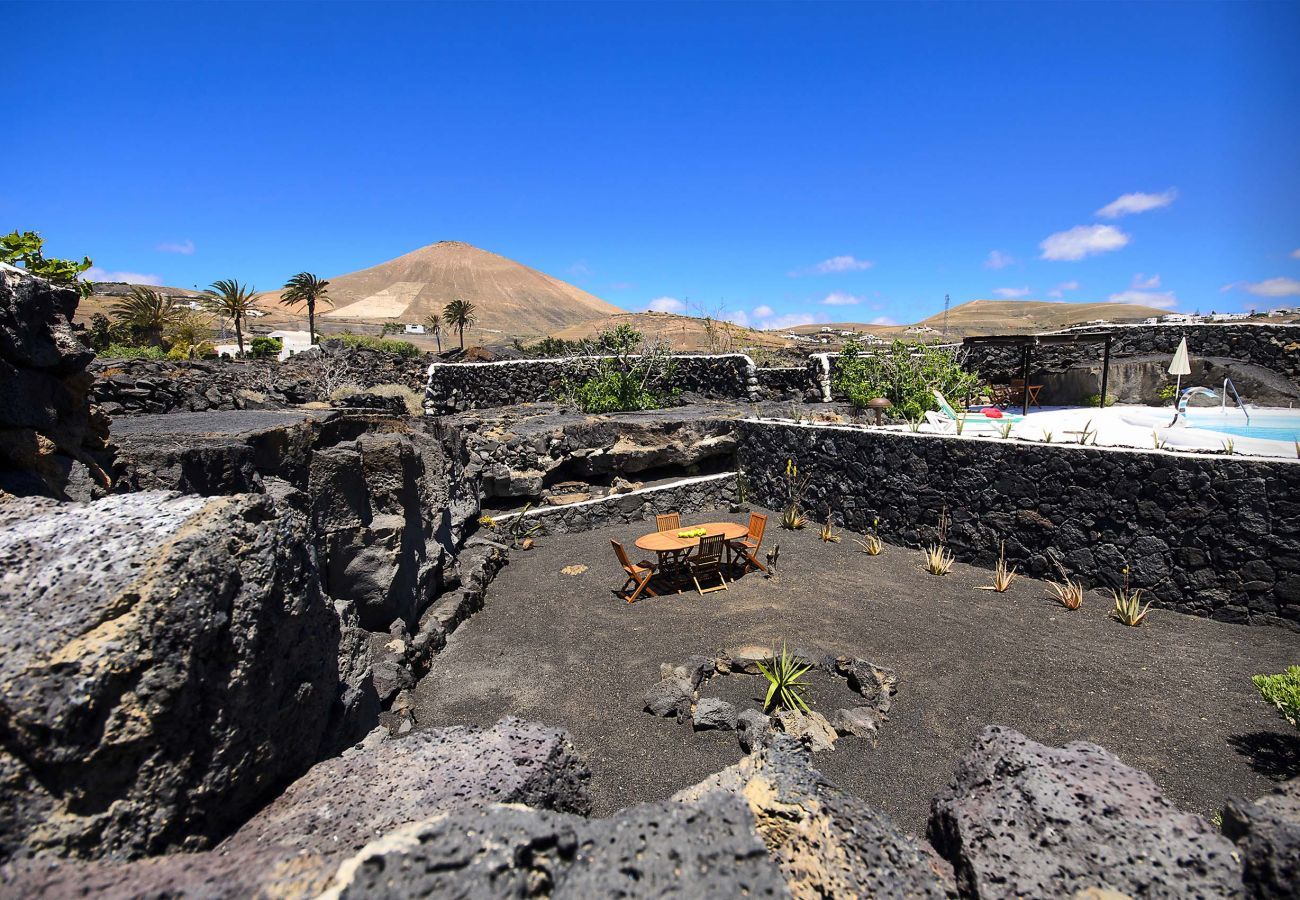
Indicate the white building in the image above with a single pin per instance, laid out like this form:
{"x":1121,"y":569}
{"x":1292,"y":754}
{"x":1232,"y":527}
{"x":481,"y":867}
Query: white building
{"x":414,"y":329}
{"x":292,"y":342}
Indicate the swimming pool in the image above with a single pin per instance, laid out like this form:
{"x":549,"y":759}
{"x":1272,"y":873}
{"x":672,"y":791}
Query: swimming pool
{"x":1268,"y":425}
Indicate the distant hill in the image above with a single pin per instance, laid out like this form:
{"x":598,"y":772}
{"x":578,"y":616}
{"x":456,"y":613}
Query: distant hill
{"x":510,"y":299}
{"x":680,"y":332}
{"x":982,"y":317}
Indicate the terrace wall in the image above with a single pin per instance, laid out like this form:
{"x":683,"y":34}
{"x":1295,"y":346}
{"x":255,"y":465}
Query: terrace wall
{"x":688,"y":496}
{"x":1208,"y":535}
{"x":454,"y":387}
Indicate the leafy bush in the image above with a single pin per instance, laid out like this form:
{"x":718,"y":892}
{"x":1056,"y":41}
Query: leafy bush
{"x":404,"y":349}
{"x":200,"y":350}
{"x":25,"y":249}
{"x":1283,"y":691}
{"x":618,"y":388}
{"x":265,"y":347}
{"x":905,"y":374}
{"x":549,"y":347}
{"x":128,"y":351}
{"x":1095,"y":400}
{"x":1166,"y":393}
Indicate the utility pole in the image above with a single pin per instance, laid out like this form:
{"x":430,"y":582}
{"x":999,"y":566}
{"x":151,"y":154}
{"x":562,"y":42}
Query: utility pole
{"x":946,"y":303}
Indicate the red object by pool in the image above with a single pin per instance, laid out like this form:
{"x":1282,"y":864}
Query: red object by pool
{"x":992,"y":412}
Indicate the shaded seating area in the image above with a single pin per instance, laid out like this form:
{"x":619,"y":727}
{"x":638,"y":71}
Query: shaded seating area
{"x":1020,"y":391}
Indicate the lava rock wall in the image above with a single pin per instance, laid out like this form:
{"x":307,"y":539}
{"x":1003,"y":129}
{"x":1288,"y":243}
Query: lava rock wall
{"x":51,"y":436}
{"x":1207,"y":535}
{"x":453,"y":387}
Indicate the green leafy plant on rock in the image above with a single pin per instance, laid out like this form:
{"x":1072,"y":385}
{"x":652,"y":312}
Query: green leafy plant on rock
{"x":786,"y":688}
{"x":1283,"y":691}
{"x":24,"y":249}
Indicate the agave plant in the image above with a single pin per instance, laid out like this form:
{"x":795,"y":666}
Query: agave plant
{"x":938,"y":560}
{"x":1069,"y":595}
{"x":1003,"y":575}
{"x":793,"y":517}
{"x":1005,"y":429}
{"x":871,"y":545}
{"x":1128,"y":604}
{"x":785,"y":685}
{"x":828,"y":530}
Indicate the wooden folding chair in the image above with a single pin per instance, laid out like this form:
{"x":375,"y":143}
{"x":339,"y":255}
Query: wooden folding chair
{"x":746,"y":548}
{"x":669,"y":522}
{"x":639,"y":574}
{"x":707,"y":561}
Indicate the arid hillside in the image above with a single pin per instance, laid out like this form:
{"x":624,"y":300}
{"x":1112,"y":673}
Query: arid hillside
{"x":511,"y":300}
{"x":680,"y":332}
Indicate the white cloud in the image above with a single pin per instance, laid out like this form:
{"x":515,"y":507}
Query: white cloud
{"x":1128,"y":204}
{"x":739,"y":317}
{"x":95,"y":273}
{"x":1274,"y":287}
{"x":790,"y":320}
{"x":666,"y":304}
{"x":1081,"y":241}
{"x":998,"y":260}
{"x":1059,"y":291}
{"x":835,"y":264}
{"x":882,"y":320}
{"x":1143,"y":283}
{"x":1160,"y":299}
{"x":1295,"y":254}
{"x":1012,"y":293}
{"x":839,"y":298}
{"x":763,"y":312}
{"x":185,"y":247}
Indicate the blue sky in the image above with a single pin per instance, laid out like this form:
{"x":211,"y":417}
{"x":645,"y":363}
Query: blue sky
{"x":810,"y":162}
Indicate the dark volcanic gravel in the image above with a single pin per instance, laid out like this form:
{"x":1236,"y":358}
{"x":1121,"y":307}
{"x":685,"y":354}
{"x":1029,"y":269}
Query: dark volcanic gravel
{"x":1172,"y":697}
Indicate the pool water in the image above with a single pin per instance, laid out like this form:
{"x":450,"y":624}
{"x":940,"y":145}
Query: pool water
{"x":1273,"y":425}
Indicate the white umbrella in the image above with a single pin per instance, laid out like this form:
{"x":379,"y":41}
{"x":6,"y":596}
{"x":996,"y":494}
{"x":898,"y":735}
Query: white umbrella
{"x":1180,"y":367}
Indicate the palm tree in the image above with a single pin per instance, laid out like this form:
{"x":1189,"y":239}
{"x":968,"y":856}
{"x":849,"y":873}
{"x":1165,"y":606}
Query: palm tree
{"x":460,"y":315}
{"x":434,"y":323}
{"x":147,"y":313}
{"x":306,"y":288}
{"x":234,"y":301}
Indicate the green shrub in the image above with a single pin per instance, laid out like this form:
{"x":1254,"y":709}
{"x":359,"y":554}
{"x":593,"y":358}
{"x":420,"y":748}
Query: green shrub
{"x":1166,"y":393}
{"x":549,"y":347}
{"x":1283,"y":691}
{"x":265,"y":347}
{"x":618,"y":388}
{"x":1095,"y":400}
{"x":404,"y":349}
{"x":905,"y":374}
{"x":25,"y":249}
{"x":127,"y":351}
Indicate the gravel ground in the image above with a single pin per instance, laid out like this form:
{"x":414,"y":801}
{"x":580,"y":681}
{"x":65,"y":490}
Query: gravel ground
{"x":1172,"y":697}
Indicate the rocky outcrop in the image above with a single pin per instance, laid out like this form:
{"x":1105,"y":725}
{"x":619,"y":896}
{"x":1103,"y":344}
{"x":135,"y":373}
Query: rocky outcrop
{"x":170,"y":663}
{"x":49,"y":430}
{"x":1267,"y":833}
{"x":293,"y":846}
{"x":144,"y":387}
{"x":1020,"y":819}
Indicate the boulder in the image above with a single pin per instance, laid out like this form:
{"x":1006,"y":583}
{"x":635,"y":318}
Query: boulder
{"x":1267,"y":833}
{"x":293,"y":846}
{"x":754,"y":730}
{"x":1025,"y":820}
{"x":861,"y":721}
{"x":670,"y":696}
{"x":811,"y":728}
{"x":648,"y":850}
{"x":170,"y":662}
{"x":712,"y":714}
{"x":826,"y":842}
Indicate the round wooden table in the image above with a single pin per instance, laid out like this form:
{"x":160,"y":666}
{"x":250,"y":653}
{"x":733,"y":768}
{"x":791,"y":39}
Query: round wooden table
{"x":667,"y":542}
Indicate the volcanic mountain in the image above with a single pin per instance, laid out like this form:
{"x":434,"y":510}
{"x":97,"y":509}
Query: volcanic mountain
{"x":510,"y":299}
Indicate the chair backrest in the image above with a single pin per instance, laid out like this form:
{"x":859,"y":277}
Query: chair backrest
{"x":757,"y":522}
{"x":945,"y":405}
{"x":669,"y":522}
{"x":621,"y":554}
{"x":710,"y":551}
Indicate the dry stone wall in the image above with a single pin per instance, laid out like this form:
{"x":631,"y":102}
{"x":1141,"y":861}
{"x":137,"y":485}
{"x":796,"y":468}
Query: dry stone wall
{"x":454,"y":387}
{"x":1204,"y":534}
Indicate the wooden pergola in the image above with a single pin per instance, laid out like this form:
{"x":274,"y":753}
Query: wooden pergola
{"x":1027,"y":343}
